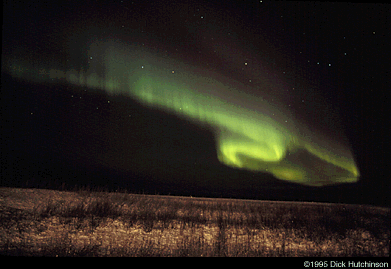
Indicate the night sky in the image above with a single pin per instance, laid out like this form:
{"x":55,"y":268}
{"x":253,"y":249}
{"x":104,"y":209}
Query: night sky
{"x":324,"y":65}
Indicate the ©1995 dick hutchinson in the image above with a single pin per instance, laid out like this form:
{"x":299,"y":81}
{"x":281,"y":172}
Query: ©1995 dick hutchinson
{"x":345,"y":263}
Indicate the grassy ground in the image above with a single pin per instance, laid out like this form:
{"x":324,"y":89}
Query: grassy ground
{"x":36,"y":222}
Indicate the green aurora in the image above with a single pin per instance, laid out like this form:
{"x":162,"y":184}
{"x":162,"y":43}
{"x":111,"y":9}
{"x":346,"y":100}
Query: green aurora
{"x":251,"y":133}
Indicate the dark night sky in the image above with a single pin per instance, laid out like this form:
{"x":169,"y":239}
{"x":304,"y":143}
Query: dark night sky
{"x":54,"y":133}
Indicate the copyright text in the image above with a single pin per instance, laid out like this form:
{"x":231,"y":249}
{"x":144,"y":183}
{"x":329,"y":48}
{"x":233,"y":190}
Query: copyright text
{"x":350,"y":264}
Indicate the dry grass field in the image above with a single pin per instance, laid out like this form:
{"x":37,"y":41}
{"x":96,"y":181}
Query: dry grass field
{"x":38,"y":222}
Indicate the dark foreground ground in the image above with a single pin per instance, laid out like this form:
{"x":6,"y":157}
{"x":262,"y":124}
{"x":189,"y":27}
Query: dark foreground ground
{"x":39,"y":222}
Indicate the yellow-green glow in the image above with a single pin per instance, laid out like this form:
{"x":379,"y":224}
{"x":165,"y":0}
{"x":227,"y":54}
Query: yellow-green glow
{"x":250,"y":133}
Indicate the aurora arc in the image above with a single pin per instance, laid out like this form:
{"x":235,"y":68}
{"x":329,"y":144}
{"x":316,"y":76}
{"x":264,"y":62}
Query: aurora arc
{"x":250,"y":132}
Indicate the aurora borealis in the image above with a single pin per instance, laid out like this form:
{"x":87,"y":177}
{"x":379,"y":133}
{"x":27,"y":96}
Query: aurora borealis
{"x":250,"y":134}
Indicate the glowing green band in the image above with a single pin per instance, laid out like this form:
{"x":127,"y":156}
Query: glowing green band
{"x":248,"y":135}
